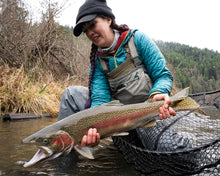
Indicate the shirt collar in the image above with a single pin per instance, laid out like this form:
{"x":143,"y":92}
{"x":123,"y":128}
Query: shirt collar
{"x":116,"y":44}
{"x":113,"y":46}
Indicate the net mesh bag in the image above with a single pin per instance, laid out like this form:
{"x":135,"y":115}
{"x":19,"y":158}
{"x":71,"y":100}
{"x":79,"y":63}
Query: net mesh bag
{"x":186,"y":144}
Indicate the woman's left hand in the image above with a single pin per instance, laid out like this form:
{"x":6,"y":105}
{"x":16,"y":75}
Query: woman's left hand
{"x":165,"y":110}
{"x":92,"y":138}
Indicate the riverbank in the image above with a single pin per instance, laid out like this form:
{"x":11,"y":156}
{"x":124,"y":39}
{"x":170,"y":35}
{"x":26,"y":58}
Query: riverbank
{"x":33,"y":91}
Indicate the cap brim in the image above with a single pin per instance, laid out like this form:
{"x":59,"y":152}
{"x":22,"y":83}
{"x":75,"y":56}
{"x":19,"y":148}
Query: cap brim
{"x":78,"y":28}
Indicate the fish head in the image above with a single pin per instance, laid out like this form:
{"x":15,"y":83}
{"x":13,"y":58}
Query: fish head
{"x":50,"y":147}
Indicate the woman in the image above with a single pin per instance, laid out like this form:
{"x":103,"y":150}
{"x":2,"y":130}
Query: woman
{"x":110,"y":53}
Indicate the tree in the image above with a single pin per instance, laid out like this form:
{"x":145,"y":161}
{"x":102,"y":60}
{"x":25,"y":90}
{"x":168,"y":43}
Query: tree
{"x":194,"y":67}
{"x":14,"y":29}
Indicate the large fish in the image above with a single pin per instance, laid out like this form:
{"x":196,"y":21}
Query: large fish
{"x":110,"y":119}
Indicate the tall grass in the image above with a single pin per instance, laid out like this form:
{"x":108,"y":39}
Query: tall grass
{"x":33,"y":91}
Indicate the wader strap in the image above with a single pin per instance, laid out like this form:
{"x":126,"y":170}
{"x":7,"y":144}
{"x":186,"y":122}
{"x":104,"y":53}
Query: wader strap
{"x":104,"y":64}
{"x":133,"y":52}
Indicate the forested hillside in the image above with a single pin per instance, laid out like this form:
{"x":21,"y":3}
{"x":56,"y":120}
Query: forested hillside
{"x":191,"y":66}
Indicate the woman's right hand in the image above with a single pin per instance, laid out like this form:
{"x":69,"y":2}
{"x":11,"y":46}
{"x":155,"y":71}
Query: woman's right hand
{"x":92,"y":139}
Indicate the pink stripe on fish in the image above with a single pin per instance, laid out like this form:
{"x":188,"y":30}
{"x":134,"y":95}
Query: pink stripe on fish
{"x":120,"y":119}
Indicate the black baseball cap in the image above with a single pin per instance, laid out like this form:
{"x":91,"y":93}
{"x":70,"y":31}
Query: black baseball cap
{"x":89,"y":11}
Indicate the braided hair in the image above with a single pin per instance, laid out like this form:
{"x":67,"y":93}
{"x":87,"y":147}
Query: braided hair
{"x":120,"y":28}
{"x":92,"y":70}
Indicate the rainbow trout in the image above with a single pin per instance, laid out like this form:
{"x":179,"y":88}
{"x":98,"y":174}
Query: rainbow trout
{"x":109,"y":119}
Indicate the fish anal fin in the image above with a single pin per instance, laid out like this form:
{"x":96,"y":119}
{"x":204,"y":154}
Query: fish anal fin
{"x":121,"y":134}
{"x":84,"y":151}
{"x":150,"y":124}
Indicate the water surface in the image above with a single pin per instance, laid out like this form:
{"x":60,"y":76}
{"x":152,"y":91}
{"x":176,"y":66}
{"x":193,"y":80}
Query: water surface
{"x":13,"y":155}
{"x":108,"y":160}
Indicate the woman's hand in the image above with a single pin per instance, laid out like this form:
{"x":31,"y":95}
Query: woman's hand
{"x":92,"y":139}
{"x":165,"y":110}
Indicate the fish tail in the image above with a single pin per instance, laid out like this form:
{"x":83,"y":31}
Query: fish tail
{"x":186,"y":104}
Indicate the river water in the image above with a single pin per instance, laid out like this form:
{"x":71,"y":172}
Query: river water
{"x":108,"y":160}
{"x":13,"y":155}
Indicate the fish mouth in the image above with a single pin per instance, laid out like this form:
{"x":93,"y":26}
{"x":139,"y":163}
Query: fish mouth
{"x":43,"y":153}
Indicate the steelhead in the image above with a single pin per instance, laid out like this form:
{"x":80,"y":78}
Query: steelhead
{"x":109,"y":119}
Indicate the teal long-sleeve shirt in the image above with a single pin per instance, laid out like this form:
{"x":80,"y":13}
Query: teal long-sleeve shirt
{"x":150,"y":56}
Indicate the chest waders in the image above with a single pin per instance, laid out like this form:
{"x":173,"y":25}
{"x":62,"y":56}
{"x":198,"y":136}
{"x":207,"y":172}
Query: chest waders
{"x":129,"y":82}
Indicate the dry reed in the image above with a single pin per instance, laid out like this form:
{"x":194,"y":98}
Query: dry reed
{"x":34,"y":91}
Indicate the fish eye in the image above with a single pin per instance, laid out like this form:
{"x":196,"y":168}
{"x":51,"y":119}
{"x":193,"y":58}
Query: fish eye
{"x":45,"y":141}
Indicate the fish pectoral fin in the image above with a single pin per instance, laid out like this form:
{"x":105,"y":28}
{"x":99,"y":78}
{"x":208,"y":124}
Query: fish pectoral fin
{"x":121,"y":134}
{"x":150,"y":124}
{"x":84,"y":151}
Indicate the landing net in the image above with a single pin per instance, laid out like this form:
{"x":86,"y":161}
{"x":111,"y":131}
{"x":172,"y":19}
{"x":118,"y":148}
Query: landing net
{"x":187,"y":144}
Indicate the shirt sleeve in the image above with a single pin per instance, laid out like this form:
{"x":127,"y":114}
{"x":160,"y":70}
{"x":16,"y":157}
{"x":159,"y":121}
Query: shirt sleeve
{"x":100,"y":92}
{"x":155,"y":63}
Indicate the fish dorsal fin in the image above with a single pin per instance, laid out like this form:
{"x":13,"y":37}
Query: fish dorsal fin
{"x":113,"y":103}
{"x":180,"y":95}
{"x":149,"y":101}
{"x":84,"y":151}
{"x":121,"y":134}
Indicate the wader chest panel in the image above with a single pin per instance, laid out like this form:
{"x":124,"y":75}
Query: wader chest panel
{"x":129,"y":82}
